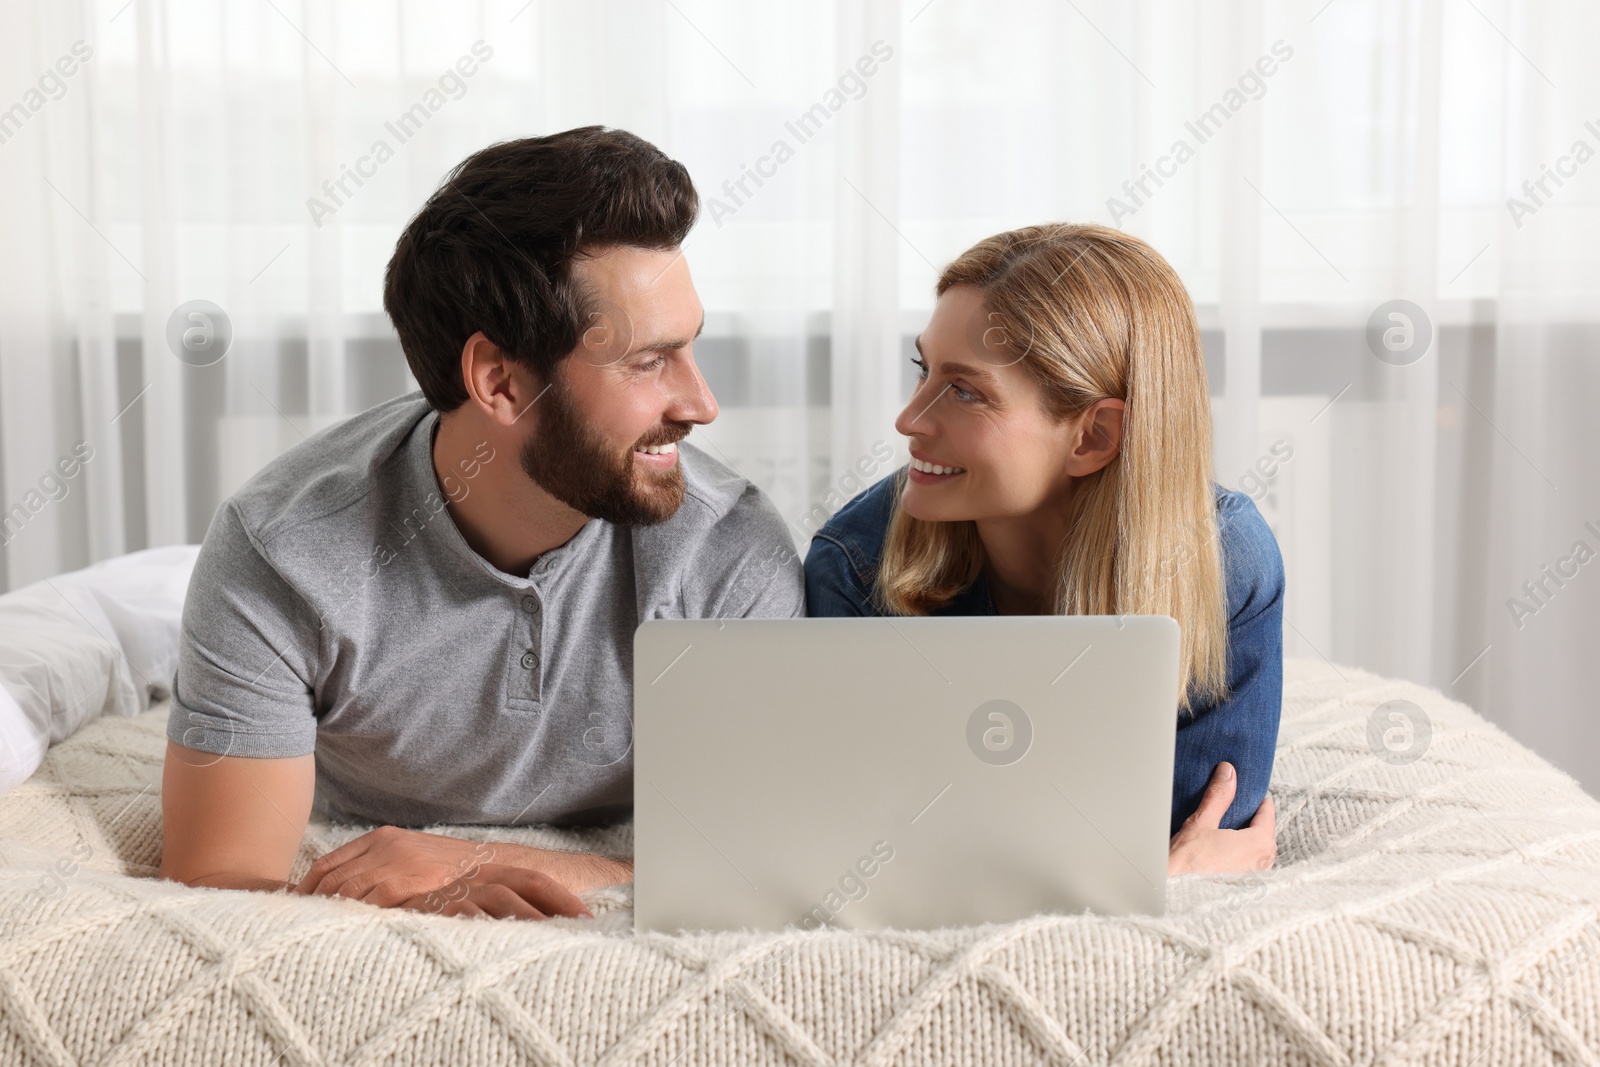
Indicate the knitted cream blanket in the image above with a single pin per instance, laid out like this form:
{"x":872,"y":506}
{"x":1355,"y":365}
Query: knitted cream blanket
{"x":1440,"y":909}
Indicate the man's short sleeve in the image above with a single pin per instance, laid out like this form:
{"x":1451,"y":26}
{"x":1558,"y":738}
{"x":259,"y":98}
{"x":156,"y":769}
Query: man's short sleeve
{"x":246,"y":653}
{"x":747,"y":566}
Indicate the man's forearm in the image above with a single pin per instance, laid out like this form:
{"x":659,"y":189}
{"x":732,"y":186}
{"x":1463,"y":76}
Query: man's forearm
{"x":236,"y":881}
{"x":578,"y":871}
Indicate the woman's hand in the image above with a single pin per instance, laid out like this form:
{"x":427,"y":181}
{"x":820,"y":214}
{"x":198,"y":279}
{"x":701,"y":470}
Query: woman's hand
{"x":1201,"y":845}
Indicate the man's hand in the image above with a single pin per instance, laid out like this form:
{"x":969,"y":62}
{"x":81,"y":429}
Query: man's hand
{"x":502,"y":892}
{"x":391,"y":867}
{"x":1201,"y":845}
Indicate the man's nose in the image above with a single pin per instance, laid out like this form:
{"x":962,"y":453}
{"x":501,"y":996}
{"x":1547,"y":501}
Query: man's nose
{"x":692,"y":399}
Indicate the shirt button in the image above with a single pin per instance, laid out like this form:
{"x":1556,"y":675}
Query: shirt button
{"x":529,"y":660}
{"x":530,"y":605}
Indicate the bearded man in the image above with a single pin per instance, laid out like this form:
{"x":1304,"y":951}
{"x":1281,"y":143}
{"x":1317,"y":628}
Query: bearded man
{"x":425,"y":614}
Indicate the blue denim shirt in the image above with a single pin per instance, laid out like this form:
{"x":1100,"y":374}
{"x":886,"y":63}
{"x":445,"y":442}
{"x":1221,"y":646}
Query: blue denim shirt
{"x":842,"y":562}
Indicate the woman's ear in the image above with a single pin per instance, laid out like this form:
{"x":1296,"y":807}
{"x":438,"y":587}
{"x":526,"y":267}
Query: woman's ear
{"x":1099,"y":436}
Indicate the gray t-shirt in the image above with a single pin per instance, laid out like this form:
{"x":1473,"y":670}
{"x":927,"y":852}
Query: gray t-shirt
{"x":336,"y":608}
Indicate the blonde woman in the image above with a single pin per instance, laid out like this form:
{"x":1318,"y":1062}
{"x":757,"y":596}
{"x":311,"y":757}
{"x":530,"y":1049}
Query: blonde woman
{"x":1060,"y":437}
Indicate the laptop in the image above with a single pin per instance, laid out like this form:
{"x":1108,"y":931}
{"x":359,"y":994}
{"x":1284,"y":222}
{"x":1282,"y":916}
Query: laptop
{"x":865,"y":773}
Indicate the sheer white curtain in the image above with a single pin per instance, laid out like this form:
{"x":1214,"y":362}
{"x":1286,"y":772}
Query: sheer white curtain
{"x":1336,"y":156}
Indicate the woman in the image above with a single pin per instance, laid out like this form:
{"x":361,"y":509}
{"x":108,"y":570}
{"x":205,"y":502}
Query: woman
{"x":1060,"y":438}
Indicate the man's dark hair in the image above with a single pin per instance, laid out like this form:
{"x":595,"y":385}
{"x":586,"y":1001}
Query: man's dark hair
{"x":492,"y":249}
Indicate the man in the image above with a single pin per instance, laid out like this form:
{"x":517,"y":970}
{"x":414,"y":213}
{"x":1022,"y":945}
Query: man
{"x":425,"y":614}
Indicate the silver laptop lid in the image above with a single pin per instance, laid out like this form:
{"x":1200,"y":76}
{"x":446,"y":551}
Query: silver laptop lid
{"x":907,"y":772}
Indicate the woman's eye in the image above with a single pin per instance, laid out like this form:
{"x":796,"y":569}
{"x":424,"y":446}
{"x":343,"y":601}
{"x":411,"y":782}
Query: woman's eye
{"x":961,"y":394}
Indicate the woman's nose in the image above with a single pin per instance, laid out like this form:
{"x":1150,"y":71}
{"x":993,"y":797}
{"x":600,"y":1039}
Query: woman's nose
{"x":916,"y":419}
{"x":902,"y":422}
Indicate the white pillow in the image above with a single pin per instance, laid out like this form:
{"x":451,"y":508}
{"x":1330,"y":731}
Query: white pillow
{"x":100,"y":641}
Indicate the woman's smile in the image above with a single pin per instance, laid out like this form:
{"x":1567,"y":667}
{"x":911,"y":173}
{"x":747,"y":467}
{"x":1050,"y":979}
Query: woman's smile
{"x":925,"y":471}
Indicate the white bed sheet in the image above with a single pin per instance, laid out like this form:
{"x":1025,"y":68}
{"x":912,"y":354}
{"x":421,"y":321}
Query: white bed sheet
{"x":92,"y":642}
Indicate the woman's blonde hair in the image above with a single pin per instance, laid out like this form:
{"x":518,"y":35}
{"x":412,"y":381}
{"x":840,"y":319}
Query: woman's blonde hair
{"x":1096,"y":313}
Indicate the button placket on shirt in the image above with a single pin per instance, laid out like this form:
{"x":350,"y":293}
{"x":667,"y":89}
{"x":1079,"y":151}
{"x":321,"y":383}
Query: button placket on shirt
{"x":524,"y":673}
{"x":529,"y":607}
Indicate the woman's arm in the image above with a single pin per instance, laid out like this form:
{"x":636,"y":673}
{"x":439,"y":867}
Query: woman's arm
{"x":832,"y":586}
{"x":1243,"y":729}
{"x":1201,"y":845}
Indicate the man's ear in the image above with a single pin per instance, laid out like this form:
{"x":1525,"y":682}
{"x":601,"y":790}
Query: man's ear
{"x":497,"y":385}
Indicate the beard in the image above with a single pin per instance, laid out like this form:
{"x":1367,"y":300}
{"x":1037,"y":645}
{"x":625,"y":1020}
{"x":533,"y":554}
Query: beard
{"x":568,"y":459}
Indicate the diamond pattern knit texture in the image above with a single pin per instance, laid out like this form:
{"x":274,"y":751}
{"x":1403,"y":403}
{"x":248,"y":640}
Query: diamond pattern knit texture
{"x":1441,"y":911}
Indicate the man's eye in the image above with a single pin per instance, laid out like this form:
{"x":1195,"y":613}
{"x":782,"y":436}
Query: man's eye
{"x":653,"y":364}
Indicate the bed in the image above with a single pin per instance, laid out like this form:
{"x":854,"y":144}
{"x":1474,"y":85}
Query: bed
{"x":1433,"y":903}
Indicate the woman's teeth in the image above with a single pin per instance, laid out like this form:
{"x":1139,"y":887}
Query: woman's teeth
{"x":934,"y":468}
{"x":659,"y":450}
